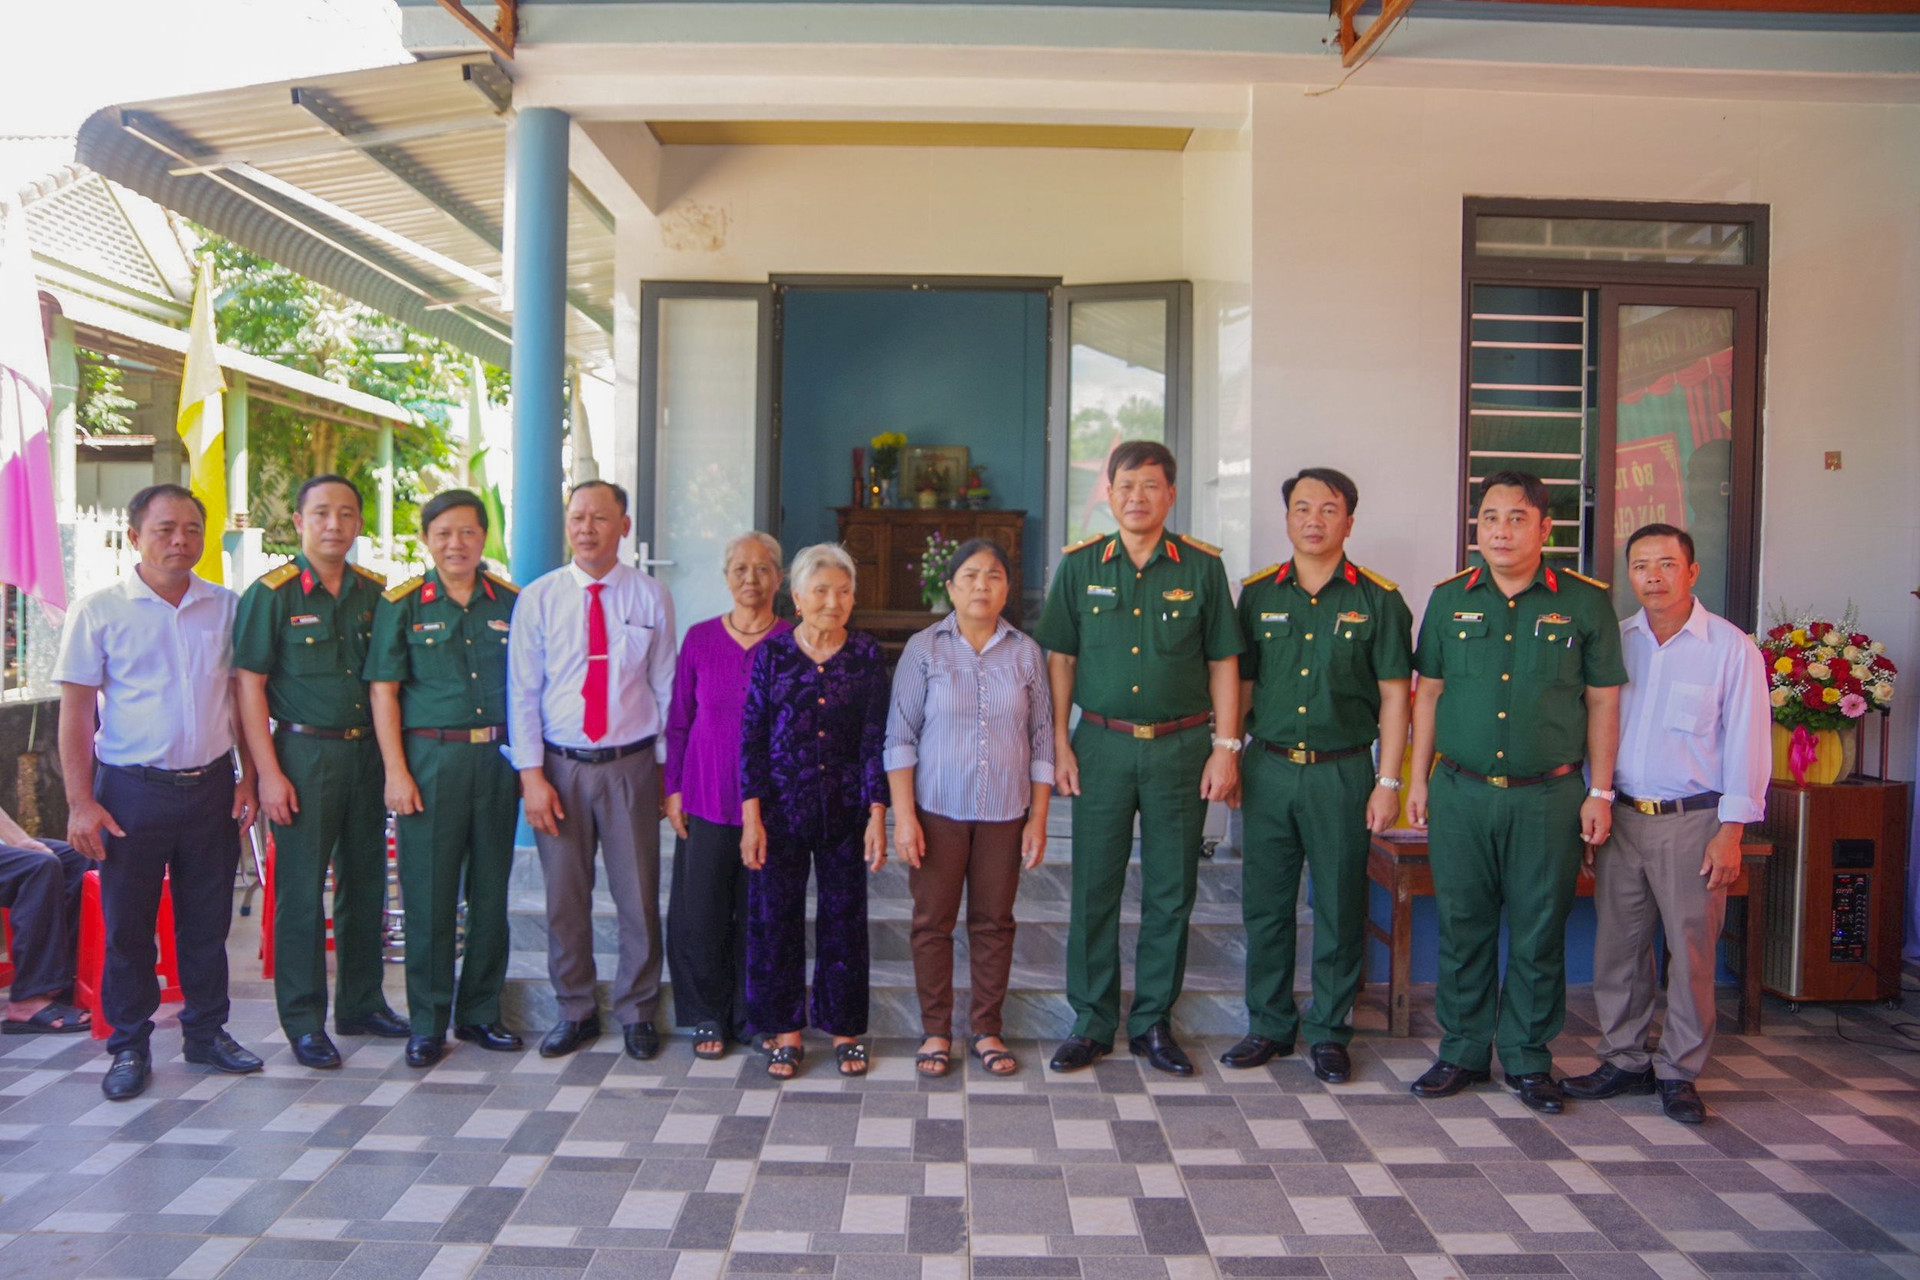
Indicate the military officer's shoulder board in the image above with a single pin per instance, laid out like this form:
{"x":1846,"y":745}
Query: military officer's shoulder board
{"x":1081,"y":545}
{"x":280,"y":577}
{"x":376,"y":579}
{"x":1454,"y":577}
{"x":1198,"y":545}
{"x":499,"y":581}
{"x":405,"y":589}
{"x":1592,"y":582}
{"x":1267,"y":572}
{"x":1377,"y":580}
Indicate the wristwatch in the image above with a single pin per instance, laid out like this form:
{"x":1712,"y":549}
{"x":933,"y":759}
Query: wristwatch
{"x":1389,"y":782}
{"x":1231,"y":744}
{"x":1597,"y":794}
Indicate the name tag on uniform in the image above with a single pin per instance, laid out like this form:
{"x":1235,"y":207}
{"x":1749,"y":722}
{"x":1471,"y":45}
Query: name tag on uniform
{"x":304,"y":620}
{"x":429,"y":626}
{"x":1353,"y":617}
{"x":1273,"y":617}
{"x":498,"y":624}
{"x":1469,"y":617}
{"x":1105,"y":593}
{"x":1177,"y":594}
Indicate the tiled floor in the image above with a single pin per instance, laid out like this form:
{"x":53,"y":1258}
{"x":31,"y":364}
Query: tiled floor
{"x":597,"y":1166}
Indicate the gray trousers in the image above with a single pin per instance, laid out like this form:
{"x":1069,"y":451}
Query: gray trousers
{"x":1647,"y":878}
{"x":616,"y":807}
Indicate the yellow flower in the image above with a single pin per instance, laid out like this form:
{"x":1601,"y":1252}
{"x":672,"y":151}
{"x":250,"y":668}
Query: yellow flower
{"x":1829,"y":696}
{"x":1783,"y":665}
{"x":1823,"y":654}
{"x":1778,"y":697}
{"x":1819,"y":670}
{"x":1799,"y":638}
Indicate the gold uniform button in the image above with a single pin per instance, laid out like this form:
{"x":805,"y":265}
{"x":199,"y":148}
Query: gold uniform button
{"x":1096,"y":608}
{"x":1463,"y":635}
{"x":1349,"y":635}
{"x":1551,"y":637}
{"x":1136,"y":688}
{"x":1505,"y":676}
{"x":1269,"y":635}
{"x":1136,"y":612}
{"x":1313,"y":599}
{"x":1309,"y":635}
{"x":1136,"y":648}
{"x":1509,"y":639}
{"x":1303,"y":671}
{"x":1499,"y":755}
{"x":1513,"y":604}
{"x":1302,"y":710}
{"x":1501,"y":716}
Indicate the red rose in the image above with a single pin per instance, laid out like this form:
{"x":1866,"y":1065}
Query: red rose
{"x":1840,"y":668}
{"x":1813,"y":699}
{"x":1883,"y":664}
{"x":1817,"y":629}
{"x":1780,"y":632}
{"x":1858,"y":641}
{"x":1799,"y":671}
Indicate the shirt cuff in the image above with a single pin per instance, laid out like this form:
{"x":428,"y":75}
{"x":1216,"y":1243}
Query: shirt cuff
{"x":525,"y":757}
{"x":1041,"y":771}
{"x":1741,"y":809}
{"x":901,"y":757}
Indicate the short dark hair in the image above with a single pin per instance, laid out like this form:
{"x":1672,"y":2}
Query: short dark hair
{"x":1529,"y":484}
{"x":1338,"y":481}
{"x":300,"y":498}
{"x":137,"y":508}
{"x":441,"y":503}
{"x":1658,"y":530}
{"x":619,"y":494}
{"x":973,"y":547}
{"x":1131,"y":454}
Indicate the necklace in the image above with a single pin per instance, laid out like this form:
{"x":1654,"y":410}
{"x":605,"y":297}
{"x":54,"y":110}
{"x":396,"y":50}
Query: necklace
{"x":739,"y":630}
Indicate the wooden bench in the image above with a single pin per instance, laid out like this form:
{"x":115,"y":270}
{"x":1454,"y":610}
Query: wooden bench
{"x":1397,"y":862}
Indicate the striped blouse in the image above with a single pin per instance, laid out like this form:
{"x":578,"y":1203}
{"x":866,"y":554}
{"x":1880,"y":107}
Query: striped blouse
{"x":976,"y":728}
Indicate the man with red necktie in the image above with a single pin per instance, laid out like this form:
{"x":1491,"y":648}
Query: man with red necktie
{"x":590,"y":667}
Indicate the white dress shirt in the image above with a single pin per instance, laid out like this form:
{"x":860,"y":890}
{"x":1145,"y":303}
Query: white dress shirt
{"x":547,"y":661}
{"x":1694,"y":715}
{"x":164,"y":673}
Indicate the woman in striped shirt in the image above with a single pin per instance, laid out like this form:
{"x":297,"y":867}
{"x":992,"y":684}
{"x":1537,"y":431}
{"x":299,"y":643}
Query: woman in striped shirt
{"x":969,"y":761}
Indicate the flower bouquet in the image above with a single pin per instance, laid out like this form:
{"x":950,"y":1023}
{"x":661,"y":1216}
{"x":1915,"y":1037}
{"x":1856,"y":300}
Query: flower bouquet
{"x":933,"y":571}
{"x":1823,"y":676}
{"x":884,"y":465}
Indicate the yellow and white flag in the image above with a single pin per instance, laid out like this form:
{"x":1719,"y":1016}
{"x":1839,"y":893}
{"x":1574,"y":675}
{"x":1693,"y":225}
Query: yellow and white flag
{"x":203,"y":423}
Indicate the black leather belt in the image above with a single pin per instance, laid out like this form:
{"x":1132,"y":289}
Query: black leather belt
{"x":603,"y":755}
{"x":1300,"y":755}
{"x":178,"y":777}
{"x":487,"y":733}
{"x":1656,"y":808}
{"x":315,"y":731}
{"x":1148,"y":732}
{"x":1503,"y":781}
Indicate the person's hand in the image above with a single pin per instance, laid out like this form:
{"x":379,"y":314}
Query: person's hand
{"x":1417,"y":802}
{"x":660,"y":796}
{"x":278,"y":799}
{"x":541,"y":802}
{"x":1721,"y":866}
{"x":1033,"y":843}
{"x":87,"y":823}
{"x":403,"y":797}
{"x":1066,"y":769}
{"x":753,"y":844}
{"x":1596,"y":821}
{"x":909,"y":839}
{"x":32,"y":844}
{"x":876,"y":840}
{"x":677,"y":815}
{"x":1221,"y":778}
{"x":1383,"y":806}
{"x":246,"y":800}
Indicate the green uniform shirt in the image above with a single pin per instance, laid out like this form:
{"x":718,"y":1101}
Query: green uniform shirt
{"x":450,"y":661}
{"x":310,"y":644}
{"x":1144,"y":636}
{"x":1517,"y":670}
{"x":1316,"y":659}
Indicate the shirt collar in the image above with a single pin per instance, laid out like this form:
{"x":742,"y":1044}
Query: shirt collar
{"x":583,"y":579}
{"x":1543,"y":576}
{"x":1342,"y":572}
{"x":949,"y":624}
{"x":1695,"y":624}
{"x":1166,"y":546}
{"x":198,"y":588}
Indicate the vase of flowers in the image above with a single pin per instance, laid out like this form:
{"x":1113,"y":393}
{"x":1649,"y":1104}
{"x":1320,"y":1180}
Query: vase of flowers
{"x":1823,"y":676}
{"x":885,"y":465}
{"x":933,"y":571}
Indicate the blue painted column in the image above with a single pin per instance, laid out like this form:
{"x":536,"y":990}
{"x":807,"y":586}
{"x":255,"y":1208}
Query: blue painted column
{"x":536,"y":534}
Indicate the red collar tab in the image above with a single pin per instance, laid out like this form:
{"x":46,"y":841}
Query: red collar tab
{"x":1473,"y":577}
{"x":1281,"y":576}
{"x":486,"y":585}
{"x":1173,"y":552}
{"x":306,"y":581}
{"x":1553,"y":583}
{"x":1108,"y":553}
{"x":430,"y":593}
{"x":1353,"y":575}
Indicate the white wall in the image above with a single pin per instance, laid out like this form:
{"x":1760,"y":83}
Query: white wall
{"x":1356,"y":282}
{"x":1217,"y":237}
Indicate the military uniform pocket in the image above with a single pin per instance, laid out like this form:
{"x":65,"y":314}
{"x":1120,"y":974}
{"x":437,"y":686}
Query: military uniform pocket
{"x":312,"y":649}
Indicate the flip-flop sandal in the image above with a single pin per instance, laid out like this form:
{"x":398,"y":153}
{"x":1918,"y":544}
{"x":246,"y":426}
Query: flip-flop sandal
{"x":789,"y":1056}
{"x":54,"y":1019}
{"x":992,"y":1058}
{"x":709,"y":1033}
{"x":934,"y":1063}
{"x":849,"y":1054}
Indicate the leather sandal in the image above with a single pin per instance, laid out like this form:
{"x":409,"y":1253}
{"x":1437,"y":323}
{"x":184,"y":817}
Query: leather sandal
{"x":789,"y":1056}
{"x":709,"y":1033}
{"x":992,"y":1058}
{"x":850,"y":1054}
{"x":933,"y":1063}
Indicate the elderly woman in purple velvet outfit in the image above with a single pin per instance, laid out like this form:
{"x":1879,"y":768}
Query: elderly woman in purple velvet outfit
{"x":813,"y":795}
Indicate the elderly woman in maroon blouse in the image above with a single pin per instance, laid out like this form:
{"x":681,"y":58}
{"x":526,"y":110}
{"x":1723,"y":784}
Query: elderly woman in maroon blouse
{"x":707,"y":910}
{"x":813,"y":796}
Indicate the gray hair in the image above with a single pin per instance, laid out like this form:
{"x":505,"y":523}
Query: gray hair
{"x":739,"y":540}
{"x":817,"y":558}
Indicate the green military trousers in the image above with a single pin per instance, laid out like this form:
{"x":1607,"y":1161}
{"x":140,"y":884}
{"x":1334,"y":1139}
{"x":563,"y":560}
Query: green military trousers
{"x":1316,"y":814}
{"x":1160,"y":780}
{"x":1519,"y":849}
{"x":459,"y":845}
{"x":342,"y":821}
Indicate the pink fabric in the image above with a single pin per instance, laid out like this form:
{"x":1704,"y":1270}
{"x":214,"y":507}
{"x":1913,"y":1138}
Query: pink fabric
{"x":1801,"y":753}
{"x":29,"y":531}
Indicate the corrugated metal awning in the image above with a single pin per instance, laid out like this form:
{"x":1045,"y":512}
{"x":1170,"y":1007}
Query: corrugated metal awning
{"x":387,"y":184}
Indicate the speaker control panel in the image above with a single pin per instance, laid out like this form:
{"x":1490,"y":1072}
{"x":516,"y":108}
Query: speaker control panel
{"x":1852,"y":913}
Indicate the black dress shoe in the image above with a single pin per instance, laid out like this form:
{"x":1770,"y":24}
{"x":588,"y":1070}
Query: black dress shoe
{"x":1076,"y":1053}
{"x":384,"y":1023}
{"x":316,"y":1051}
{"x":491,"y":1035}
{"x":1681,"y":1101}
{"x":567,"y":1036}
{"x":127,"y":1077}
{"x":1330,"y":1062}
{"x":642,"y":1040}
{"x":1162,"y":1051}
{"x":222,"y":1053}
{"x":1539,"y":1090}
{"x":1607,"y":1081}
{"x":1444,"y":1079}
{"x":424,"y":1051}
{"x":1255,"y":1051}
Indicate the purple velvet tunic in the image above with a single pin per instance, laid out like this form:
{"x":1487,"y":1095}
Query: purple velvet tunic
{"x":812,"y":736}
{"x":703,"y":720}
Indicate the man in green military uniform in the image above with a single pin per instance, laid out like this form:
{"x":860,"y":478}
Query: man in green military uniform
{"x":1151,"y":615}
{"x":299,"y":642}
{"x":1520,"y":675}
{"x":438,"y":666}
{"x":1325,"y":672}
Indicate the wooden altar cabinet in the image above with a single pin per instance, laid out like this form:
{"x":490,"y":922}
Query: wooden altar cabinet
{"x":886,"y":544}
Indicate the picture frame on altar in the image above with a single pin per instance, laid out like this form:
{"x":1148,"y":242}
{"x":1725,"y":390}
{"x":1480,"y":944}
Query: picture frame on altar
{"x":944,"y":465}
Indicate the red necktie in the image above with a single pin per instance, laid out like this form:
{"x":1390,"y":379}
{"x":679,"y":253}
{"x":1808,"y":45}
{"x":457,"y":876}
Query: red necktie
{"x":595,"y":689}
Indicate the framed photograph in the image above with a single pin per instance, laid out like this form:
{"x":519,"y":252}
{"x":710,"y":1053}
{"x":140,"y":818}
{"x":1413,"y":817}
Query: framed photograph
{"x":939,"y":467}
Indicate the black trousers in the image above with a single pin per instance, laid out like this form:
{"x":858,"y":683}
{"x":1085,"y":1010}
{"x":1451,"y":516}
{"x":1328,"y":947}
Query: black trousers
{"x":41,"y":891}
{"x":187,"y":833}
{"x":707,"y":929}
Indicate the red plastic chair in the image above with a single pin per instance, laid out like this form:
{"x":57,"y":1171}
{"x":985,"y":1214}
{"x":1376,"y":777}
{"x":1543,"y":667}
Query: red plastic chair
{"x":93,"y":953}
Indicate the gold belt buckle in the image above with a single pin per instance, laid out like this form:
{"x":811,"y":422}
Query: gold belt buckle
{"x":1144,"y":732}
{"x":1500,"y":782}
{"x":1299,"y":756}
{"x":477,"y":736}
{"x":1649,"y":807}
{"x":356,"y":733}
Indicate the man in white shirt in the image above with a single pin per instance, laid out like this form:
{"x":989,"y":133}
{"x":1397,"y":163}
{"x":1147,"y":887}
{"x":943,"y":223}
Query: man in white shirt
{"x":152,"y":658}
{"x":1695,"y":758}
{"x":589,"y":671}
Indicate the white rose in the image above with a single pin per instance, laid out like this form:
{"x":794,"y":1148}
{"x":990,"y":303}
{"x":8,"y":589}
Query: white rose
{"x":1851,"y":654}
{"x":1883,"y":692}
{"x":1778,"y":697}
{"x":1819,"y":671}
{"x":1833,"y":638}
{"x":1824,"y":654}
{"x":1876,"y":648}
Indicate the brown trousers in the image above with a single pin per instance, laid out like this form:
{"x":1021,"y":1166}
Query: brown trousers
{"x":984,"y":857}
